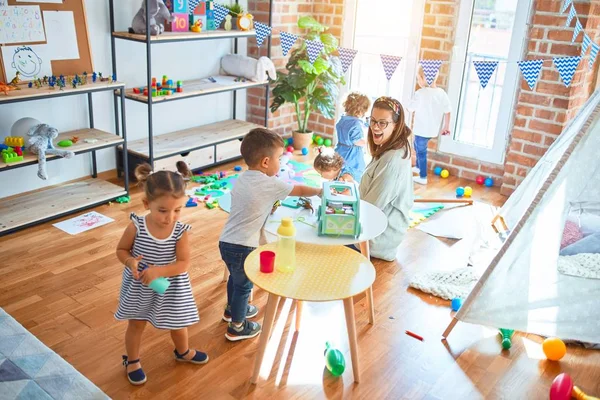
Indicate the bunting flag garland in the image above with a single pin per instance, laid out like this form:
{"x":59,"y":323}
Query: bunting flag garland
{"x":430,"y":69}
{"x":578,"y":29}
{"x":192,"y":5}
{"x":585,"y":44}
{"x":566,"y":4}
{"x":220,"y":13}
{"x":593,"y":54}
{"x":314,"y":48}
{"x":531,"y":71}
{"x":572,"y":14}
{"x":287,"y":41}
{"x":346,"y":57}
{"x":484,"y":70}
{"x":566,"y":68}
{"x":390,"y":63}
{"x":262,"y":31}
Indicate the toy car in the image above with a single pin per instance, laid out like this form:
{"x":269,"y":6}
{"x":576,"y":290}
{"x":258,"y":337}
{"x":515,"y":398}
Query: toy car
{"x":339,"y":212}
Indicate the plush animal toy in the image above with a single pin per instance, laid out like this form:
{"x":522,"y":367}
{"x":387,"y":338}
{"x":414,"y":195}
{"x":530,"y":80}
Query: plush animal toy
{"x":158,"y":14}
{"x":248,"y":67}
{"x":286,"y":172}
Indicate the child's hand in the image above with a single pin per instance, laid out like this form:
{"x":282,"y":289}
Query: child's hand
{"x":445,"y":132}
{"x":346,"y":178}
{"x":133,"y":263}
{"x":149,"y":274}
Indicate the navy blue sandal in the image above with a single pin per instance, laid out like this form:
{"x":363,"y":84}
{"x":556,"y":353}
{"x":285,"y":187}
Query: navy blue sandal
{"x":199,"y":357}
{"x":137,"y":377}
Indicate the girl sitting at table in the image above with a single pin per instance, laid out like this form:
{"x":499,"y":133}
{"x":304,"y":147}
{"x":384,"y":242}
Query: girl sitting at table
{"x":331,"y":166}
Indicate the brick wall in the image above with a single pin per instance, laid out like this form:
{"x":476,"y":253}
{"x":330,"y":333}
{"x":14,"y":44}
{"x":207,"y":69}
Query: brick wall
{"x":285,"y":18}
{"x":541,"y":114}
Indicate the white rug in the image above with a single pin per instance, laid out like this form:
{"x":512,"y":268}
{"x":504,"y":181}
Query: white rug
{"x":446,"y":284}
{"x":584,"y":265}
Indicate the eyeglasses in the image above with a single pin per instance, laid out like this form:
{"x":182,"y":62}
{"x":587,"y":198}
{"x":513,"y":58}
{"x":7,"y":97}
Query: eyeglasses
{"x":381,"y":124}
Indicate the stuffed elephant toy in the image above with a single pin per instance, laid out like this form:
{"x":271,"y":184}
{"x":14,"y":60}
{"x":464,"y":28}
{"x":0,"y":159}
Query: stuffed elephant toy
{"x":158,"y":14}
{"x":248,"y":67}
{"x":40,"y":143}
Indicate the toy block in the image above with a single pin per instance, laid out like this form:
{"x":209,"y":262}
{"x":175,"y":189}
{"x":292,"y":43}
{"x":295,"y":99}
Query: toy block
{"x":136,"y":90}
{"x":210,"y":5}
{"x":194,"y":18}
{"x":10,"y":156}
{"x":14,"y":141}
{"x":210,"y":20}
{"x":180,"y":7}
{"x":180,"y":23}
{"x":200,"y":9}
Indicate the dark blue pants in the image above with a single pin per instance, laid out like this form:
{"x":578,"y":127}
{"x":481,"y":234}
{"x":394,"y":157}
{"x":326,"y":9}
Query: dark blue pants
{"x":421,"y":151}
{"x":238,"y":285}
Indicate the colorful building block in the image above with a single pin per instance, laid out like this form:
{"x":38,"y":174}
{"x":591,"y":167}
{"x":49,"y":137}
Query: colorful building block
{"x":10,"y":156}
{"x":201,"y":18}
{"x":210,"y":20}
{"x":200,"y":9}
{"x":180,"y":6}
{"x":210,"y":5}
{"x":181,"y":23}
{"x":14,"y":141}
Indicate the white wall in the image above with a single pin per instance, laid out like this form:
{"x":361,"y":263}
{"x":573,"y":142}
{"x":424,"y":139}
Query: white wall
{"x":179,"y":61}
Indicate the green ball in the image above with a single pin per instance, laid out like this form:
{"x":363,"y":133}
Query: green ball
{"x":65,"y":143}
{"x":285,"y":143}
{"x":319,"y":141}
{"x":327,"y":142}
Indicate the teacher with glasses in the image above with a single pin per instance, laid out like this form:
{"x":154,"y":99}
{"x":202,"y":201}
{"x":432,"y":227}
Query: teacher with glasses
{"x":387,"y":182}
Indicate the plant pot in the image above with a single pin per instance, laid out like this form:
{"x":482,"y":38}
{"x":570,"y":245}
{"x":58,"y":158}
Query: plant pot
{"x":302,"y":139}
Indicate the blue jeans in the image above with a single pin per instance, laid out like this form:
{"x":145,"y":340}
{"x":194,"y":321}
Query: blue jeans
{"x":238,"y":285}
{"x":421,"y":151}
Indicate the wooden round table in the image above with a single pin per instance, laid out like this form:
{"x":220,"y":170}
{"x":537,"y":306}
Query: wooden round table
{"x":322,"y":273}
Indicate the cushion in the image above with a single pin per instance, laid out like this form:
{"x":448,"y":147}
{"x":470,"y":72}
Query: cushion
{"x":589,"y":244}
{"x":571,"y":234}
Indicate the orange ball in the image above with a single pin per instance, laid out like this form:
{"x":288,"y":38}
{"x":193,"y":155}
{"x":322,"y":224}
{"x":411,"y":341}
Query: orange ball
{"x":554,"y":348}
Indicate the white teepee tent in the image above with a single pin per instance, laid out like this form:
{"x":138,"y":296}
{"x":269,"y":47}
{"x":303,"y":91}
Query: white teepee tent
{"x":522,"y":288}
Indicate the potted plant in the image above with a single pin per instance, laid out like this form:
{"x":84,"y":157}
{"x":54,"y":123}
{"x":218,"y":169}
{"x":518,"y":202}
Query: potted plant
{"x":309,"y":87}
{"x":235,"y":10}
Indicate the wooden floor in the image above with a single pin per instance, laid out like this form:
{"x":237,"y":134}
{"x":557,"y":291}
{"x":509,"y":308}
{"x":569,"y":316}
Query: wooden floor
{"x":65,"y":289}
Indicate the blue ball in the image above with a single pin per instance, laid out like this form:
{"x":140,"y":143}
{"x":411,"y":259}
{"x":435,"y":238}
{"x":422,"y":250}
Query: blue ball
{"x":456,"y":304}
{"x":489,"y":182}
{"x":290,"y":141}
{"x":460,"y":191}
{"x":237,"y":168}
{"x":437,"y":170}
{"x":304,"y":151}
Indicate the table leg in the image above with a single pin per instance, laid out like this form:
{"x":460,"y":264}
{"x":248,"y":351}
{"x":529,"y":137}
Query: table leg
{"x":299,"y":305}
{"x":350,"y":324}
{"x":364,"y":249}
{"x":272,"y":304}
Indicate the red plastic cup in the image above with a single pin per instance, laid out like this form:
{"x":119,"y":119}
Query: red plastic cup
{"x":267,"y":261}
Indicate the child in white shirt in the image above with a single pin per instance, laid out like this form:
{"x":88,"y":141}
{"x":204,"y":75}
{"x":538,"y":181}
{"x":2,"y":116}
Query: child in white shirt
{"x":431,"y":108}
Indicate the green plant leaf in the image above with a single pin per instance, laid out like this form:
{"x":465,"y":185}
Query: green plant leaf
{"x":308,"y":22}
{"x":321,"y":65}
{"x":308,"y":67}
{"x":330,"y":42}
{"x":323,"y":102}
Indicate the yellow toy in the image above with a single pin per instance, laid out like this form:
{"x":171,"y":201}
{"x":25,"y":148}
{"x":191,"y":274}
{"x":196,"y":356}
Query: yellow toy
{"x":580,"y":395}
{"x":554,"y":348}
{"x":14,"y":141}
{"x":197,"y":27}
{"x":15,"y":81}
{"x":245,"y":22}
{"x":468,"y":191}
{"x":445,"y":173}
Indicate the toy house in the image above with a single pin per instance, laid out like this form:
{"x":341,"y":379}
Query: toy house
{"x":339,"y":212}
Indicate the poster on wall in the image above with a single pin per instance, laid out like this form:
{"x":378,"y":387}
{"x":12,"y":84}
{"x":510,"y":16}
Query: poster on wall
{"x":61,"y":35}
{"x":30,"y":61}
{"x":21,"y":24}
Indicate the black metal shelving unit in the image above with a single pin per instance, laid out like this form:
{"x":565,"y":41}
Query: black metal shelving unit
{"x":207,"y":135}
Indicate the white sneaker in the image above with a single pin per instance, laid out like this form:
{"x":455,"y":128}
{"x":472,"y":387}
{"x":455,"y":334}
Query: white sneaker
{"x":416,"y":170}
{"x":419,"y":180}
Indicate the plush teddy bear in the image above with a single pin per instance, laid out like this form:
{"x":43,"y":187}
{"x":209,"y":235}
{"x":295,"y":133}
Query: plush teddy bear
{"x":248,"y":67}
{"x":158,"y":14}
{"x":286,"y":172}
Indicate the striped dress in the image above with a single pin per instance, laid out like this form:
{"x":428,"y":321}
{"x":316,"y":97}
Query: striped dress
{"x":176,"y":308}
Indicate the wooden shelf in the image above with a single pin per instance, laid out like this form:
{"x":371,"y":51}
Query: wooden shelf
{"x":41,"y":205}
{"x":190,"y":139}
{"x":167,"y":37}
{"x":104,"y":139}
{"x":26,"y":93}
{"x":198,"y":87}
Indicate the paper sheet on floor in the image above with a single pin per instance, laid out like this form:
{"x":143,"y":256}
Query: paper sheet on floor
{"x":83,"y":223}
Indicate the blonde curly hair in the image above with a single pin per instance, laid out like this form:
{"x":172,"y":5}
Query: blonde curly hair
{"x":356,"y":104}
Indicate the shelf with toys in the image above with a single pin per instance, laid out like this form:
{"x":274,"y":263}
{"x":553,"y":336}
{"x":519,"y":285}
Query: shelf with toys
{"x":168,"y":21}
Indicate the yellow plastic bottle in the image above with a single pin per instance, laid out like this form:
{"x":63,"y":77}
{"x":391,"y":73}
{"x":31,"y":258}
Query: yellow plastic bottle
{"x":285,"y":255}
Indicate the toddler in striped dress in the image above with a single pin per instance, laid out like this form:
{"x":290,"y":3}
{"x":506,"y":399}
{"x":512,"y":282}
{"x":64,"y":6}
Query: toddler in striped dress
{"x":153,"y":246}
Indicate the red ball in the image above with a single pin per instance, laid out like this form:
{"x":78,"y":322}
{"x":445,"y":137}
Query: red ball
{"x":561,"y":387}
{"x":480,"y":180}
{"x":290,"y":149}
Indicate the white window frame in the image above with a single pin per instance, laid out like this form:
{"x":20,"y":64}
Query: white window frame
{"x":496,"y":154}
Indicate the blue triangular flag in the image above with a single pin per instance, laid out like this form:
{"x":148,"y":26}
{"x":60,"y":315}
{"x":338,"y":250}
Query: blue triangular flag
{"x":566,"y":4}
{"x":578,"y":29}
{"x":484,"y":70}
{"x":346,"y":57}
{"x":314,"y":48}
{"x":572,"y":14}
{"x":262,"y":31}
{"x":566,"y":68}
{"x":390,"y":63}
{"x":430,"y":69}
{"x":585,"y":44}
{"x":220,"y":13}
{"x":593,"y":54}
{"x":531,"y":71}
{"x":287,"y":41}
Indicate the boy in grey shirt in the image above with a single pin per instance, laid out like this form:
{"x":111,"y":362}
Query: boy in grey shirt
{"x":252,"y":199}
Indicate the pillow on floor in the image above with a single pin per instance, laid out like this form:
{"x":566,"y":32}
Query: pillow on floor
{"x":589,"y":244}
{"x":571,"y":234}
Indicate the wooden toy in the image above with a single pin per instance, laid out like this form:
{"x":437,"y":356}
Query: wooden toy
{"x":339,"y":213}
{"x":210,"y":20}
{"x":554,"y":348}
{"x":14,"y":141}
{"x":179,"y":87}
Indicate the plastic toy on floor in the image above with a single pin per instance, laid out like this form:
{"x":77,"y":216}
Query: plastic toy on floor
{"x":334,"y":360}
{"x":339,"y":212}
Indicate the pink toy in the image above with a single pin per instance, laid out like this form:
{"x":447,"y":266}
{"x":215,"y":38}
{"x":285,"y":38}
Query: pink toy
{"x":290,"y":149}
{"x":571,"y":234}
{"x":561,"y":387}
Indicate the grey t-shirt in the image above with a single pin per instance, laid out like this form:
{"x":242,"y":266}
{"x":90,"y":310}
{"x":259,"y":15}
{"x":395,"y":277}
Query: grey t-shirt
{"x":252,"y":199}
